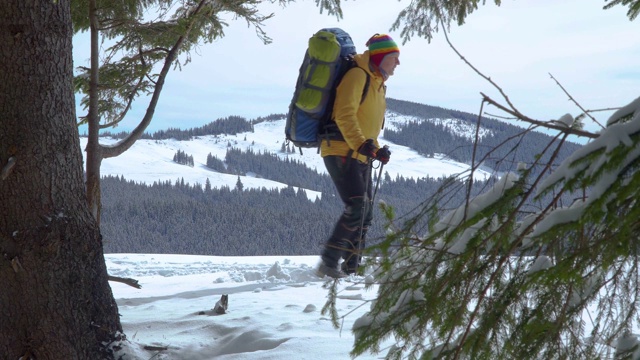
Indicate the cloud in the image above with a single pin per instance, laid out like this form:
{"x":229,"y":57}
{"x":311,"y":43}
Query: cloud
{"x":590,"y":50}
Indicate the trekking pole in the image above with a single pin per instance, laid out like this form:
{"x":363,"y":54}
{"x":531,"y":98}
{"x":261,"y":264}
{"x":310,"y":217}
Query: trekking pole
{"x":364,"y":209}
{"x":366,"y":188}
{"x":366,"y":191}
{"x":375,"y":191}
{"x":364,"y":204}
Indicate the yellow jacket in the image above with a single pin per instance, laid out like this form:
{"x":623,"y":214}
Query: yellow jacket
{"x":357,"y":122}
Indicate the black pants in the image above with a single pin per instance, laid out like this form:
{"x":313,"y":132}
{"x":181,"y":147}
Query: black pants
{"x":353,"y":182}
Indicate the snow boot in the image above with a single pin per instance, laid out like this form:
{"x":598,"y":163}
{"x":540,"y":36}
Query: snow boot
{"x":333,"y":272}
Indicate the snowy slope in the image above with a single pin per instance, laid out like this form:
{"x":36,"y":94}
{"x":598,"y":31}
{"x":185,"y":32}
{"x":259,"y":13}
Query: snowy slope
{"x":149,"y":161}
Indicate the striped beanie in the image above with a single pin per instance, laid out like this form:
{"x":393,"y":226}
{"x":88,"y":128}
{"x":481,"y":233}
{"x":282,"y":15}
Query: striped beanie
{"x":381,"y":45}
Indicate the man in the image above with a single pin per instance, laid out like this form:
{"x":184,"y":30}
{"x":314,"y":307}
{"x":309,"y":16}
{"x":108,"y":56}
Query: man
{"x":348,"y":161}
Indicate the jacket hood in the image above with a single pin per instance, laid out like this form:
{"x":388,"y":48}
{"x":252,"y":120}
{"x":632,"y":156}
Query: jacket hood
{"x":363,"y":61}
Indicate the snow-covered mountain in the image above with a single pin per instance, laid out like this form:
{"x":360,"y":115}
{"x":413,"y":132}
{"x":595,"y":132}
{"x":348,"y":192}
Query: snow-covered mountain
{"x":150,"y":161}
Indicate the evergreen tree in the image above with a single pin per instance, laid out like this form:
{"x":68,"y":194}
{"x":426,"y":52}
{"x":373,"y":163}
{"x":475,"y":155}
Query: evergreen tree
{"x":239,"y":185}
{"x":56,"y":301}
{"x":490,"y":279}
{"x":140,"y":56}
{"x":216,"y":164}
{"x":183,"y":158}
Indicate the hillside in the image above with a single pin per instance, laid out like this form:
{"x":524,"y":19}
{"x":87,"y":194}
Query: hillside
{"x":215,"y":190}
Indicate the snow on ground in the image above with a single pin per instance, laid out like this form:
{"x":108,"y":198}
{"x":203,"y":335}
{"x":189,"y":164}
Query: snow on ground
{"x":274,"y":308}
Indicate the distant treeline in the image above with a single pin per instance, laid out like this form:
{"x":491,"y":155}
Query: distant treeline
{"x":182,"y":218}
{"x":186,"y":218}
{"x":229,"y":125}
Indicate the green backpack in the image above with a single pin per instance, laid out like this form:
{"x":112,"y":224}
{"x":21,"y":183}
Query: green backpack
{"x":328,"y":57}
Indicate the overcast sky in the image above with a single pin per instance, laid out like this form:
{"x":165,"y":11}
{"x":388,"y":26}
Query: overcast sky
{"x":593,"y":53}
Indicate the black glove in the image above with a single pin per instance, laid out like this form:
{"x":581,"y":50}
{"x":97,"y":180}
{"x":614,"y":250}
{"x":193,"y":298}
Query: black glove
{"x":368,"y":149}
{"x":383,"y":154}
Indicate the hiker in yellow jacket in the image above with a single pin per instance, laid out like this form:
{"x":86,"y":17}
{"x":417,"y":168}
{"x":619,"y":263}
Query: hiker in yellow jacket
{"x":349,"y":161}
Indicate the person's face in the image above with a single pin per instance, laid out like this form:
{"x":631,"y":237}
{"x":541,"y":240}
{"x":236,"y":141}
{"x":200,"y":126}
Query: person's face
{"x":390,"y":62}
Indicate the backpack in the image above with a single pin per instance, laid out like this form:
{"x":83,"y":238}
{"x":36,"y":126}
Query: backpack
{"x":328,"y":57}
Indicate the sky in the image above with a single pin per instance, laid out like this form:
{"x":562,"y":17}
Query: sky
{"x":593,"y":53}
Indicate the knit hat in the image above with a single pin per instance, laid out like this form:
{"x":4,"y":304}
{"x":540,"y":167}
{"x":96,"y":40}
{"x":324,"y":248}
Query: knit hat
{"x":381,"y":45}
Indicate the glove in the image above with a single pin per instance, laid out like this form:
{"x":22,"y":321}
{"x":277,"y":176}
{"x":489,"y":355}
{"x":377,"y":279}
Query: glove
{"x":383,"y":154}
{"x":368,"y":149}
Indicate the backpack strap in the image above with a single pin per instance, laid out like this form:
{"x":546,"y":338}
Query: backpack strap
{"x":335,"y":132}
{"x":366,"y":84}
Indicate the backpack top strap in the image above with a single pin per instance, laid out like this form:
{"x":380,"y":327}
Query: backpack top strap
{"x":366,"y":84}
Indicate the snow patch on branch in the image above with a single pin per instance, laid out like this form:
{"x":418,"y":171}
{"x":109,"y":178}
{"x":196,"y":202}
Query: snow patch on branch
{"x":559,"y":216}
{"x":369,"y":320}
{"x":631,"y":108}
{"x":616,"y":134}
{"x":542,"y":262}
{"x":566,"y":120}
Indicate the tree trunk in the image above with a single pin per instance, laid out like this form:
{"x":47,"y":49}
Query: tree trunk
{"x":55,"y":301}
{"x":94,"y":150}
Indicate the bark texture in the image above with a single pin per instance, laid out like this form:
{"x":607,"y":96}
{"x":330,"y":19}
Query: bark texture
{"x":55,"y":301}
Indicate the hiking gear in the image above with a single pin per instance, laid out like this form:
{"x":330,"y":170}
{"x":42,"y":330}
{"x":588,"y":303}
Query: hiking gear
{"x":383,"y":155}
{"x":368,"y":149}
{"x":377,"y":183}
{"x":344,"y":243}
{"x":381,"y":45}
{"x":328,"y":58}
{"x":349,"y":267}
{"x":324,"y":270}
{"x":357,"y":121}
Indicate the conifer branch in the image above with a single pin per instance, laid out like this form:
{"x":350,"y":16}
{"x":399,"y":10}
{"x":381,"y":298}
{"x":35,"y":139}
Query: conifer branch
{"x":545,"y":124}
{"x":128,"y":281}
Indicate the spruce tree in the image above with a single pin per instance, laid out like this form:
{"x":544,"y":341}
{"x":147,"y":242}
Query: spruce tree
{"x":56,"y":300}
{"x":239,"y":185}
{"x":141,"y":54}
